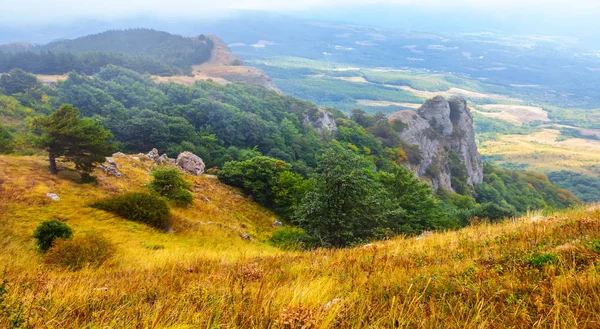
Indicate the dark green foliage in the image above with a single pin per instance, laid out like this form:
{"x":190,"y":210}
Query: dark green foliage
{"x":596,"y":246}
{"x":541,"y":260}
{"x":290,"y":239}
{"x":459,"y":174}
{"x":17,"y":81}
{"x":341,"y":208}
{"x":269,"y":181}
{"x":586,"y":188}
{"x":81,"y":141}
{"x":410,"y":205}
{"x":492,"y":212}
{"x":169,"y":182}
{"x":138,"y":207}
{"x":141,"y":50}
{"x":49,"y":231}
{"x":521,"y":191}
{"x":6,"y":141}
{"x":87,"y":251}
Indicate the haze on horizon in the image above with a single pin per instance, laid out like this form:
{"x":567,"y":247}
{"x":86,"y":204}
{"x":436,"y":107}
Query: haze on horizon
{"x":575,"y":18}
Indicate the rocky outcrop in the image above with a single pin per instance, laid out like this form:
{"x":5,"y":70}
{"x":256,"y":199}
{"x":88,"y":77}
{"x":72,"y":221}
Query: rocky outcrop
{"x":159,"y":159}
{"x":320,"y":119}
{"x":190,"y":163}
{"x":443,"y":132}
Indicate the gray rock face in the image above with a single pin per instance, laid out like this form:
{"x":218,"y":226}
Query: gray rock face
{"x":321,"y":120}
{"x":159,"y":159}
{"x":439,"y":128}
{"x":190,"y":163}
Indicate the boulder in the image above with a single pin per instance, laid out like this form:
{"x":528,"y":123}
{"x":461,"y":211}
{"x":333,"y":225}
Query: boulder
{"x":190,"y":163}
{"x":53,"y":196}
{"x":321,"y":120}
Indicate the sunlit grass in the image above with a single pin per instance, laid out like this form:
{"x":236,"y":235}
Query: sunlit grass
{"x":207,"y":276}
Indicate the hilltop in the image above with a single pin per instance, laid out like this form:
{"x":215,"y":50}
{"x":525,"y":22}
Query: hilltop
{"x":532,"y":271}
{"x":167,"y":57}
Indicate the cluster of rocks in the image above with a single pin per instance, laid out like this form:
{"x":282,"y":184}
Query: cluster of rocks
{"x":110,"y":167}
{"x":438,"y":128}
{"x":186,"y":161}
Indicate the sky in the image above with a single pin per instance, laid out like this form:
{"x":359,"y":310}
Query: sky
{"x":572,"y":18}
{"x":15,"y":11}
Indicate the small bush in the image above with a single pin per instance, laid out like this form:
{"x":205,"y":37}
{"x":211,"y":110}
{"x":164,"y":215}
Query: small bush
{"x":50,"y":230}
{"x":169,"y":182}
{"x":138,"y":207}
{"x":290,"y":239}
{"x":86,"y":178}
{"x":181,"y":198}
{"x":543,"y":259}
{"x":86,"y":251}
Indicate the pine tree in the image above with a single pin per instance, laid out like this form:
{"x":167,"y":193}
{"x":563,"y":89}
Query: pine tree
{"x":81,"y":141}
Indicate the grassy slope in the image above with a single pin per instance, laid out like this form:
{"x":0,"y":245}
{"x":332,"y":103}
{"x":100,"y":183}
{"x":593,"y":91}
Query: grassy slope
{"x":208,"y":277}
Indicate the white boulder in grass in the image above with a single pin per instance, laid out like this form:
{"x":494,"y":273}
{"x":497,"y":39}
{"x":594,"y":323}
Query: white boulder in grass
{"x":190,"y":163}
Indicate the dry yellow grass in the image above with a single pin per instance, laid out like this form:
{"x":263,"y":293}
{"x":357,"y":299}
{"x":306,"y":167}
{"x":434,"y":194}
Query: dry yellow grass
{"x":515,"y":114}
{"x":544,"y":153}
{"x":478,"y":277}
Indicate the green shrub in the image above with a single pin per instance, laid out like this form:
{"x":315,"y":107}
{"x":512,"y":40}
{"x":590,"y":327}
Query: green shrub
{"x":86,"y":251}
{"x":169,"y":182}
{"x":492,"y":212}
{"x":138,"y":207}
{"x":543,"y":259}
{"x":7,"y":144}
{"x":50,"y":230}
{"x":181,"y":198}
{"x":290,"y":239}
{"x":596,"y":246}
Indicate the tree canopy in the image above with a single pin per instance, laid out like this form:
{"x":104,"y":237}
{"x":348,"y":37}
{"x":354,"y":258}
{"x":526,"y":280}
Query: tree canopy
{"x":81,"y":141}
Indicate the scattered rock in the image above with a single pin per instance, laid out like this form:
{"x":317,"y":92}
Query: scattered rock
{"x":111,"y":162}
{"x":538,"y":218}
{"x":425,"y":235}
{"x":205,"y":199}
{"x":157,"y":158}
{"x":211,"y":176}
{"x":101,"y":289}
{"x":245,"y":236}
{"x":110,"y":170}
{"x":135,"y":158}
{"x":190,"y":163}
{"x":118,"y":154}
{"x":331,"y":303}
{"x":277,"y":223}
{"x":53,"y":196}
{"x":171,"y":231}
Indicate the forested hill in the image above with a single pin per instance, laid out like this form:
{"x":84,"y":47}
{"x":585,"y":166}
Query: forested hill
{"x":142,"y":50}
{"x":239,"y":130}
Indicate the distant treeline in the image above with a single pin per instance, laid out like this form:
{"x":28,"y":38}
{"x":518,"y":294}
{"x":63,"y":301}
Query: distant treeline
{"x":141,"y":50}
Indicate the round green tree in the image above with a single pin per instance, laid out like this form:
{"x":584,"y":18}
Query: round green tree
{"x":49,"y":231}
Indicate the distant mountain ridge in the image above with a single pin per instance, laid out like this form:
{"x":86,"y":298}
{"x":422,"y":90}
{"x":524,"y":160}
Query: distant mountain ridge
{"x":142,"y":50}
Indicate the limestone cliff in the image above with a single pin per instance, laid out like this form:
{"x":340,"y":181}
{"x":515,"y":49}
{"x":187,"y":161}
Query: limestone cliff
{"x":444,"y":134}
{"x":320,"y":119}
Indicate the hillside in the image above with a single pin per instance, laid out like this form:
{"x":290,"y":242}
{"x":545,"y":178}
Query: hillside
{"x":533,"y":271}
{"x":143,"y":50}
{"x":223,"y":66}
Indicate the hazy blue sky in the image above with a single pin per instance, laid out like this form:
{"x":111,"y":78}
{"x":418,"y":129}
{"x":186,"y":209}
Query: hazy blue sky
{"x":575,"y":18}
{"x":24,"y":10}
